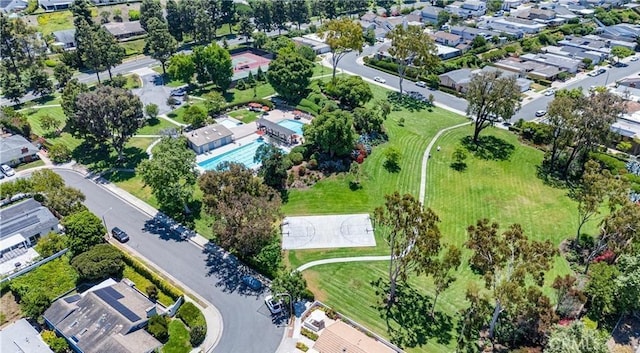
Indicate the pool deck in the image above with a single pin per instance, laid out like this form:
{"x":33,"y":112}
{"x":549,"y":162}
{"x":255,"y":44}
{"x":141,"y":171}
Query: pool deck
{"x":246,"y":133}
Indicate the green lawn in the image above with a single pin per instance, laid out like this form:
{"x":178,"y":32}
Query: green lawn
{"x":505,"y":191}
{"x":178,"y":114}
{"x":37,"y":163}
{"x":134,"y":47}
{"x":140,"y":142}
{"x":154,"y":126}
{"x":261,"y":91}
{"x":33,"y":116}
{"x":55,"y":21}
{"x":178,"y":338}
{"x":244,"y":115}
{"x":142,"y":283}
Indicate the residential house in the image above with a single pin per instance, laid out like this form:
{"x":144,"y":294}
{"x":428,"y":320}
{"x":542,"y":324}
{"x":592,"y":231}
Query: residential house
{"x":340,"y":337}
{"x":446,"y":52}
{"x":468,"y":34}
{"x":430,"y":14}
{"x":366,"y":25}
{"x":318,"y":46}
{"x":456,"y":79}
{"x":368,"y":17}
{"x":529,"y":68}
{"x":561,"y":62}
{"x":563,"y":12}
{"x":392,"y":22}
{"x":506,"y":29}
{"x":596,"y":57}
{"x":613,"y":42}
{"x":621,"y":32}
{"x":533,"y":13}
{"x":468,"y":8}
{"x":20,"y":337}
{"x":65,"y":39}
{"x":124,"y":30}
{"x":628,"y":127}
{"x":446,"y":38}
{"x":519,"y":24}
{"x":21,"y":225}
{"x":10,"y":6}
{"x":587,"y":43}
{"x":16,"y":149}
{"x":55,"y":5}
{"x":523,"y":83}
{"x":109,"y":317}
{"x":511,"y":4}
{"x":208,"y":138}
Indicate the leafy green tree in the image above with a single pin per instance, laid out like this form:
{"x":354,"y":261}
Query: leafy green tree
{"x":70,"y":94}
{"x":160,"y":44}
{"x":228,"y":13}
{"x":443,"y":18}
{"x":111,"y":51}
{"x":150,"y":9}
{"x":290,"y":75}
{"x":342,"y":35}
{"x":478,"y":42}
{"x":412,"y":235}
{"x":195,"y":116}
{"x":81,"y":10}
{"x":181,"y":67}
{"x":84,"y":230}
{"x":367,"y":121}
{"x":291,"y":283}
{"x":628,"y":283}
{"x":158,"y":327}
{"x":108,"y":114}
{"x":171,"y":174}
{"x":507,"y":261}
{"x":621,"y":52}
{"x":57,"y":344}
{"x":392,"y":157}
{"x":274,"y":166}
{"x":188,"y":10}
{"x":63,"y":74}
{"x":151,"y":110}
{"x":259,"y":39}
{"x":59,"y":198}
{"x":245,"y":28}
{"x":12,"y":87}
{"x":576,"y":338}
{"x":459,"y":157}
{"x":48,"y":122}
{"x":411,"y":46}
{"x":174,"y":20}
{"x":39,"y":81}
{"x":51,"y":244}
{"x":491,"y":96}
{"x":352,"y":91}
{"x":444,"y":272}
{"x":59,"y":153}
{"x":100,"y":262}
{"x":89,"y":45}
{"x":279,"y":14}
{"x":262,"y":15}
{"x":244,"y":207}
{"x":215,"y":102}
{"x":213,"y":64}
{"x":331,"y":133}
{"x":299,"y":12}
{"x":33,"y":304}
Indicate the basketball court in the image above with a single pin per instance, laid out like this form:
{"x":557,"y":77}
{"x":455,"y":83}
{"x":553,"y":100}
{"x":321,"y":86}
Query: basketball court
{"x":335,"y":231}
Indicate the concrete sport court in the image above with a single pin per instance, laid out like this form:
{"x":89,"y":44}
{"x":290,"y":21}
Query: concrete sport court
{"x":333,"y":231}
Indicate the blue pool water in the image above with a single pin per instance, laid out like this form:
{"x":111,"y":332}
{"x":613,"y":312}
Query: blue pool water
{"x":243,"y":154}
{"x":293,"y":125}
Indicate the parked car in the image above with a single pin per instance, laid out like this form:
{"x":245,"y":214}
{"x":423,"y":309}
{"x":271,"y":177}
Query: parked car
{"x":379,"y":79}
{"x":275,"y":307}
{"x":8,"y":171}
{"x":179,"y":92}
{"x":540,"y":113}
{"x":421,"y":84}
{"x":550,"y":92}
{"x":634,"y":58}
{"x":119,"y":234}
{"x":251,"y":282}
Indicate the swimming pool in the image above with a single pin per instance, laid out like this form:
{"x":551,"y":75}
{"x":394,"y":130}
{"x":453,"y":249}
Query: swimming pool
{"x":243,"y":155}
{"x":292,"y":125}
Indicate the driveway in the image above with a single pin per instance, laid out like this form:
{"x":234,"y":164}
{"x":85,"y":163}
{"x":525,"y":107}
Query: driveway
{"x":153,"y":90}
{"x":248,"y":327}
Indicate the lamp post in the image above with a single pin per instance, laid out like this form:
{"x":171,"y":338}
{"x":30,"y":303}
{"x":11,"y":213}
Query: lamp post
{"x":104,"y":221}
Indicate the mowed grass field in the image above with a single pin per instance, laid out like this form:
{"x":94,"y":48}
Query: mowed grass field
{"x":505,"y":191}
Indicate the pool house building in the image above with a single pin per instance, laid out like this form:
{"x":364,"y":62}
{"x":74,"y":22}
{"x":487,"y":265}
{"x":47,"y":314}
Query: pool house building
{"x":277,"y":132}
{"x":209,"y":137}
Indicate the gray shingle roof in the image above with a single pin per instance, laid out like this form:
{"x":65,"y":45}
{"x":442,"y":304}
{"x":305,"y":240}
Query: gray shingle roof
{"x":207,"y":134}
{"x":270,"y":125}
{"x":123,"y":28}
{"x":458,"y":75}
{"x":65,"y":36}
{"x":24,"y":217}
{"x":22,"y":337}
{"x":15,"y":147}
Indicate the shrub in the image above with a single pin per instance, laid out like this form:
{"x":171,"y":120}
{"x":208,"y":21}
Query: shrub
{"x":57,"y":344}
{"x":296,"y":158}
{"x":301,"y":346}
{"x":50,"y":63}
{"x":191,"y":315}
{"x":302,"y":170}
{"x":158,"y":327}
{"x":241,"y":85}
{"x":101,"y":261}
{"x":59,"y":153}
{"x":313,"y":164}
{"x":51,"y":244}
{"x":161,"y":284}
{"x":197,"y":335}
{"x":307,"y":295}
{"x":152,"y":292}
{"x":309,"y":334}
{"x":134,"y":15}
{"x":33,"y":304}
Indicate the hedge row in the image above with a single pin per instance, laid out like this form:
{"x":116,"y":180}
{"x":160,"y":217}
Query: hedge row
{"x":160,"y":283}
{"x":191,"y":315}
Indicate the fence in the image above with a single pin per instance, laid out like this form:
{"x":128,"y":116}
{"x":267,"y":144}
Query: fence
{"x":353,"y":323}
{"x":33,"y":266}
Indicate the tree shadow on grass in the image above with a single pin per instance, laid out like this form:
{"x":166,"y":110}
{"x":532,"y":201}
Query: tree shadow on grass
{"x":489,"y":147}
{"x":117,"y":176}
{"x":408,"y":321}
{"x":407,"y":102}
{"x":391,"y":166}
{"x":100,"y":157}
{"x":458,"y":166}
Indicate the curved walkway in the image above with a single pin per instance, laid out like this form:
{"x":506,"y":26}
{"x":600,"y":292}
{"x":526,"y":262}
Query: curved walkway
{"x":341,"y":259}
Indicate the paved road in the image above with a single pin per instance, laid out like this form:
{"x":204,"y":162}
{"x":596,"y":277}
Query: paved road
{"x":248,"y":327}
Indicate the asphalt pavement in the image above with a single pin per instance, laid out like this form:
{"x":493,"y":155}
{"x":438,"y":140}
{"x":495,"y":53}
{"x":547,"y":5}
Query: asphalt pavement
{"x":248,"y":326}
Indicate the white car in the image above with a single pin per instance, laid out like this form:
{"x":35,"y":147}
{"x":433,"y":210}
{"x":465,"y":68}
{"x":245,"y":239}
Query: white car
{"x":635,"y":58}
{"x":379,"y":79}
{"x":550,"y":92}
{"x":275,"y":307}
{"x":8,"y":171}
{"x":421,"y":84}
{"x":540,"y":113}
